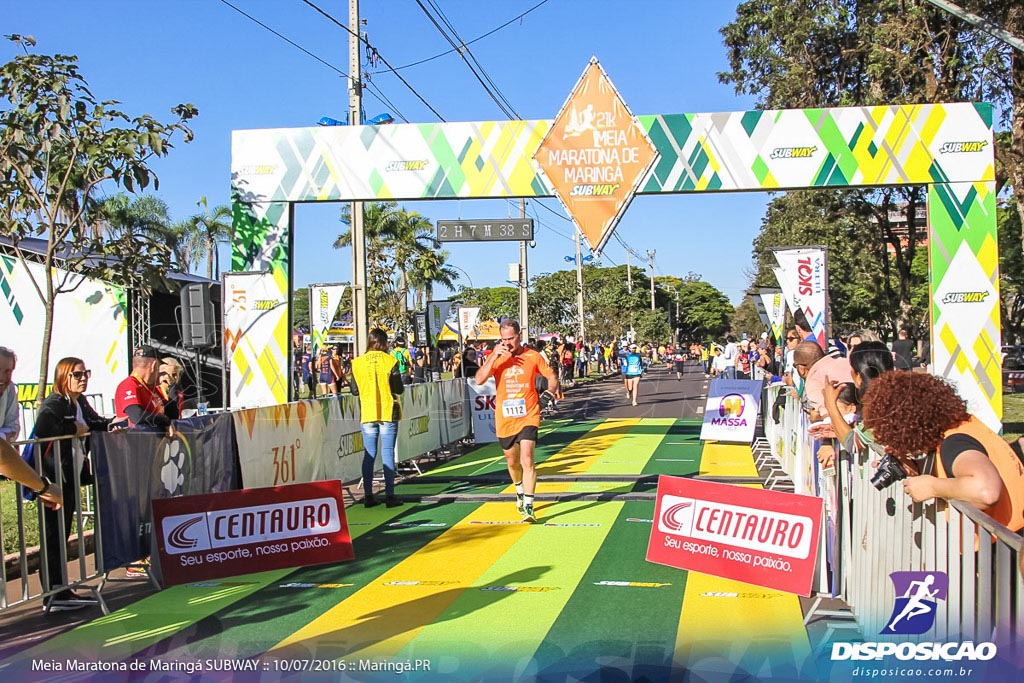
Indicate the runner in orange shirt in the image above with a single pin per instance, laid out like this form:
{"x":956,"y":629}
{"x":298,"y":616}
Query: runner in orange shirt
{"x":517,"y":408}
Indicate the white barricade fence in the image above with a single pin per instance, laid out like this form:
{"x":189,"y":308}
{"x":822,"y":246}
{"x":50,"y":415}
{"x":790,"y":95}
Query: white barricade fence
{"x":72,"y":555}
{"x":878,"y":532}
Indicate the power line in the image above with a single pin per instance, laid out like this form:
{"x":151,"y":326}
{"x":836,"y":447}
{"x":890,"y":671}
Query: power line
{"x":463,"y":50}
{"x":476,"y":61}
{"x":475,"y":40}
{"x":378,"y":95}
{"x":380,"y":56}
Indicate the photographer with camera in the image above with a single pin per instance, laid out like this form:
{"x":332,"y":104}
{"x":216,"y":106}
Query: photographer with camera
{"x":914,"y":414}
{"x":517,"y":408}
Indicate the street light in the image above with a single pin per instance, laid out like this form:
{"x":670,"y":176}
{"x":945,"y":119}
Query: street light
{"x":579,"y":260}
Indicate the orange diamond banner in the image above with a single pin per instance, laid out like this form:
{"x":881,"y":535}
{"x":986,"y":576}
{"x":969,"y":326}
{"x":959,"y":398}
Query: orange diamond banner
{"x":595,"y":155}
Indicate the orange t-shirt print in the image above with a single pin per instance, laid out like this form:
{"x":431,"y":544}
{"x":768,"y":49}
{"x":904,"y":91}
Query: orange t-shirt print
{"x":516,"y":401}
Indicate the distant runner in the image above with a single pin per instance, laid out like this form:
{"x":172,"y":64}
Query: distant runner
{"x":517,"y":408}
{"x":634,"y":368}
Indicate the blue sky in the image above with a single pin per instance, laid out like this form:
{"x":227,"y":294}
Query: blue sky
{"x":663,"y":57}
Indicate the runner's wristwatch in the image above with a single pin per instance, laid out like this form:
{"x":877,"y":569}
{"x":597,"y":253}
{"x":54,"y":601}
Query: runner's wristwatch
{"x":46,"y":487}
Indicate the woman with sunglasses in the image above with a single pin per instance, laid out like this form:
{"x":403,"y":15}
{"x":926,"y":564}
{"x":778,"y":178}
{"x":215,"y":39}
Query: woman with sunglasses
{"x":65,"y":412}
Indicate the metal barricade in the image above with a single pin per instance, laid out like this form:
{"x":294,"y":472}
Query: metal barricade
{"x":881,"y":532}
{"x":76,"y":575}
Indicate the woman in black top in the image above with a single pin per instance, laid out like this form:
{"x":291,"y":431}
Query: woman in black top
{"x":65,"y":412}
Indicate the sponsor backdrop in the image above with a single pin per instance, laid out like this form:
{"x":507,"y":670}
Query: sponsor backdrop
{"x":136,"y":467}
{"x":483,"y":410}
{"x":730,"y":413}
{"x":803,"y":274}
{"x":212,"y":536}
{"x":323,"y":306}
{"x":89,"y":322}
{"x":964,"y":266}
{"x":770,"y":540}
{"x":255,"y":319}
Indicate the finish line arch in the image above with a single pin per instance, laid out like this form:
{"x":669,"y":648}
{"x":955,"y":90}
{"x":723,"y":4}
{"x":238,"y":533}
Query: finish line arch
{"x":948,"y":147}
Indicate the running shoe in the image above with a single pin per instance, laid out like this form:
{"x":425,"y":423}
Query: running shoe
{"x":520,"y":502}
{"x":528,"y":515}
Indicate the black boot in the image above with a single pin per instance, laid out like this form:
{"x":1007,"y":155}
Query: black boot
{"x":370,"y":500}
{"x":394,"y":502}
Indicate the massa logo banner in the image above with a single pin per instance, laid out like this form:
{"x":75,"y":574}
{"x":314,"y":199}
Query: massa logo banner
{"x":730,"y":412}
{"x":769,"y":540}
{"x":803,"y":276}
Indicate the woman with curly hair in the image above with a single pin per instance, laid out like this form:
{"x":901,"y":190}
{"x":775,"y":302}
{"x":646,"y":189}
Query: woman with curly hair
{"x":913,"y":413}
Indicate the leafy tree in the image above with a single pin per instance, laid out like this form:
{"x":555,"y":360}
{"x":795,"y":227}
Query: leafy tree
{"x":746,"y":319}
{"x":58,"y":145}
{"x":704,"y":311}
{"x":300,"y":308}
{"x":652,"y":326}
{"x":494,"y":302}
{"x":877,"y":52}
{"x":1011,"y":275}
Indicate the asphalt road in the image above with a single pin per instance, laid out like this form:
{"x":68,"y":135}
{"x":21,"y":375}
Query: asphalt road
{"x":661,"y":395}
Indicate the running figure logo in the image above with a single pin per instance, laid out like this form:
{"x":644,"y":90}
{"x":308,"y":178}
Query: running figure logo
{"x":917,"y":594}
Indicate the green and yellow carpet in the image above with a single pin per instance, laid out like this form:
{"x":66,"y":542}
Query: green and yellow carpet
{"x":457,"y":583}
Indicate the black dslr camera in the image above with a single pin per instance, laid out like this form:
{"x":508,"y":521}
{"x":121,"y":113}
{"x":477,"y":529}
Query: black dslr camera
{"x":888,"y":473}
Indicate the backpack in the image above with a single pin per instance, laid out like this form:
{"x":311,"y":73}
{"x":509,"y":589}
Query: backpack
{"x":567,"y":357}
{"x":401,"y":355}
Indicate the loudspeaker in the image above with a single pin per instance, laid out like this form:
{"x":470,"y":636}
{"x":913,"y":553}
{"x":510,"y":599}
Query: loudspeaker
{"x":197,"y":324}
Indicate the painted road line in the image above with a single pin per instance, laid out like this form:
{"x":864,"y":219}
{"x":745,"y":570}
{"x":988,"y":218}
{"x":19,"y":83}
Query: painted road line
{"x":630,"y":454}
{"x":160,"y":617}
{"x":378,"y":621}
{"x":603,"y":628}
{"x":759,"y":631}
{"x":475,"y":633}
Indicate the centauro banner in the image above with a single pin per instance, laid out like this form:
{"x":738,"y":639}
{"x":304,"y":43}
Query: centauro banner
{"x":255,"y":314}
{"x":764,"y":538}
{"x":89,"y":322}
{"x":323,"y":305}
{"x":804,"y":278}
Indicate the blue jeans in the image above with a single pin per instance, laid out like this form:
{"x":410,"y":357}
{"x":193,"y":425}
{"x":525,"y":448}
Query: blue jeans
{"x":729,"y":372}
{"x":388,"y":433}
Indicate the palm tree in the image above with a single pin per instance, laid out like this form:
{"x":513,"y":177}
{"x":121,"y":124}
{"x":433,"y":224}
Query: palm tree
{"x":212,"y":227}
{"x":121,"y":216}
{"x":412,"y":239}
{"x":380,"y":223}
{"x":428,"y":269}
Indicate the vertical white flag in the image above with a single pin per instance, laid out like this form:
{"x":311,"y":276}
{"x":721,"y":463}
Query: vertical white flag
{"x":803,"y":275}
{"x":775,"y":309}
{"x":467,"y":321}
{"x":323,"y":306}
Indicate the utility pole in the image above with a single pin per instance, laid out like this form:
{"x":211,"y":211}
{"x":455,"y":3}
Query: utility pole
{"x":524,"y":283}
{"x":355,"y":118}
{"x":650,"y":255}
{"x":579,"y":282}
{"x":629,"y":271}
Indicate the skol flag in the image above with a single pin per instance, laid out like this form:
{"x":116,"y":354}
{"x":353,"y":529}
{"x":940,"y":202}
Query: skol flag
{"x":804,"y":278}
{"x":323,"y":305}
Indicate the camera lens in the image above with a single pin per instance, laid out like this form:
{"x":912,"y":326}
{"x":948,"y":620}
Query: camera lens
{"x":888,"y":473}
